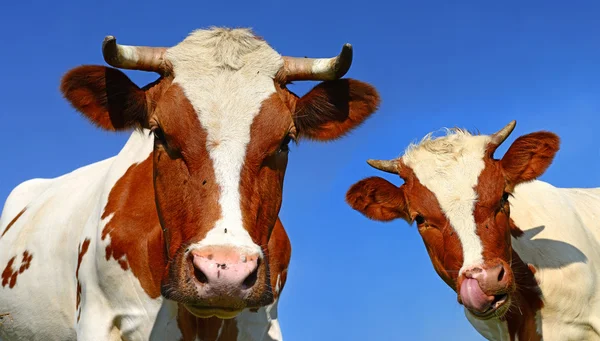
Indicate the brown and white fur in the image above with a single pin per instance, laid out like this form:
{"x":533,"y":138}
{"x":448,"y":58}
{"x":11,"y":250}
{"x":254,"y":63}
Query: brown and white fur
{"x":186,"y":211}
{"x":522,"y":255}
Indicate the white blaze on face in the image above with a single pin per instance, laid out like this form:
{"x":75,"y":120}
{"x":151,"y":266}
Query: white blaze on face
{"x":449,"y":167}
{"x":226,"y":75}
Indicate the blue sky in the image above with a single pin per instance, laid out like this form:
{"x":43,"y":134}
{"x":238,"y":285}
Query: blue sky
{"x":436,"y":64}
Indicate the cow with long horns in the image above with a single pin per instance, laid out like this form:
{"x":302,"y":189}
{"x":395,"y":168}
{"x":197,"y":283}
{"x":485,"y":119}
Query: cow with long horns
{"x":187,"y":210}
{"x":522,"y":255}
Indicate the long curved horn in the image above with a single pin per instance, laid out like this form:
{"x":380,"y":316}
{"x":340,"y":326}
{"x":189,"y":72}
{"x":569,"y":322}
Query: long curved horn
{"x":389,"y":166}
{"x":142,"y":58}
{"x":323,"y":69}
{"x":502,"y":134}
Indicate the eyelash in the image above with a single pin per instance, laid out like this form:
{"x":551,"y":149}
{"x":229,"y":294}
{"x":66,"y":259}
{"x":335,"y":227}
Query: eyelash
{"x":159,"y":135}
{"x":284,"y":146}
{"x":505,"y":197}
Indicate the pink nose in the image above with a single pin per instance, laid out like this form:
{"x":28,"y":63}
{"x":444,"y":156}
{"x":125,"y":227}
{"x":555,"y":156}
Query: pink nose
{"x":485,"y":288}
{"x":225,"y":269}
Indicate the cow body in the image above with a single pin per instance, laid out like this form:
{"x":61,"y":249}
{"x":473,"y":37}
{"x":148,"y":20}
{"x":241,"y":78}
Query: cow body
{"x":522,"y":255}
{"x":188,"y":210}
{"x":561,"y":239}
{"x":70,"y":291}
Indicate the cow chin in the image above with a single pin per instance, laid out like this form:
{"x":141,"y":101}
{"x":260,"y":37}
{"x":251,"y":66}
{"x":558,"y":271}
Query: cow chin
{"x":498,"y":310}
{"x":204,"y":312}
{"x":180,"y":284}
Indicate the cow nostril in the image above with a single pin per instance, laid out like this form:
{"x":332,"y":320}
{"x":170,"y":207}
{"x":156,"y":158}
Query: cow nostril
{"x":251,"y":279}
{"x":200,"y":276}
{"x":501,"y":274}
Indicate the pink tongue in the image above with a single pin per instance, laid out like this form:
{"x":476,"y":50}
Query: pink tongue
{"x":473,"y":297}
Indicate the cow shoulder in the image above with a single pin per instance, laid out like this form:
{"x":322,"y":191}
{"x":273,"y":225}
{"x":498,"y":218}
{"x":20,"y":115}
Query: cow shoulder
{"x":18,"y":200}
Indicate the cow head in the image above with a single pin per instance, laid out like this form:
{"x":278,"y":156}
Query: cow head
{"x":222,"y":119}
{"x":458,"y":195}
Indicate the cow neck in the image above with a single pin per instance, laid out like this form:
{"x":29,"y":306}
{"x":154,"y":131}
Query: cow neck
{"x":132,"y":232}
{"x":206,"y":329}
{"x":527,"y":300}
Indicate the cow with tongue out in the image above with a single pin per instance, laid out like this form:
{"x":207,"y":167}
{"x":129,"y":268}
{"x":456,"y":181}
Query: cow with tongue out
{"x":484,"y":291}
{"x":521,"y":254}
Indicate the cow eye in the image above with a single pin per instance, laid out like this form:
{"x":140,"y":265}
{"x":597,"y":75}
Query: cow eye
{"x":284,"y":146}
{"x":419,"y":219}
{"x":159,"y":135}
{"x":503,"y":207}
{"x":505,"y":196}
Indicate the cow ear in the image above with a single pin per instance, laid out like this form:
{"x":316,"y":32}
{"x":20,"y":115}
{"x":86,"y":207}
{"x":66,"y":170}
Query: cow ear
{"x":333,"y":108}
{"x":280,"y":252}
{"x":105,"y":96}
{"x":378,"y":199}
{"x":529,"y":157}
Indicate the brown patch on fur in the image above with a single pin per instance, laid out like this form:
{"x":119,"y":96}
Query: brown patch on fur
{"x":333,"y":108}
{"x":441,"y":242}
{"x":261,"y":185}
{"x":9,"y":275}
{"x":526,"y":159}
{"x":13,"y":221}
{"x":492,"y":214}
{"x":135,"y":235}
{"x":261,"y":178}
{"x":187,"y":193}
{"x":514,"y":230}
{"x":280,"y":253}
{"x":184,"y":177}
{"x":526,"y":303}
{"x":532,"y":268}
{"x":81,"y":252}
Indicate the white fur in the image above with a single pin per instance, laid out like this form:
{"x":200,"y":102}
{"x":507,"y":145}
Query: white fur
{"x":260,"y":326}
{"x":50,"y":230}
{"x":562,"y":240}
{"x":449,"y":167}
{"x":226,"y":75}
{"x":492,"y":329}
{"x":278,"y":284}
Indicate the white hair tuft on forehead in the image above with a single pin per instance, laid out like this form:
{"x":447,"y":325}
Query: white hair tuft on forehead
{"x":226,"y":74}
{"x":449,"y":166}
